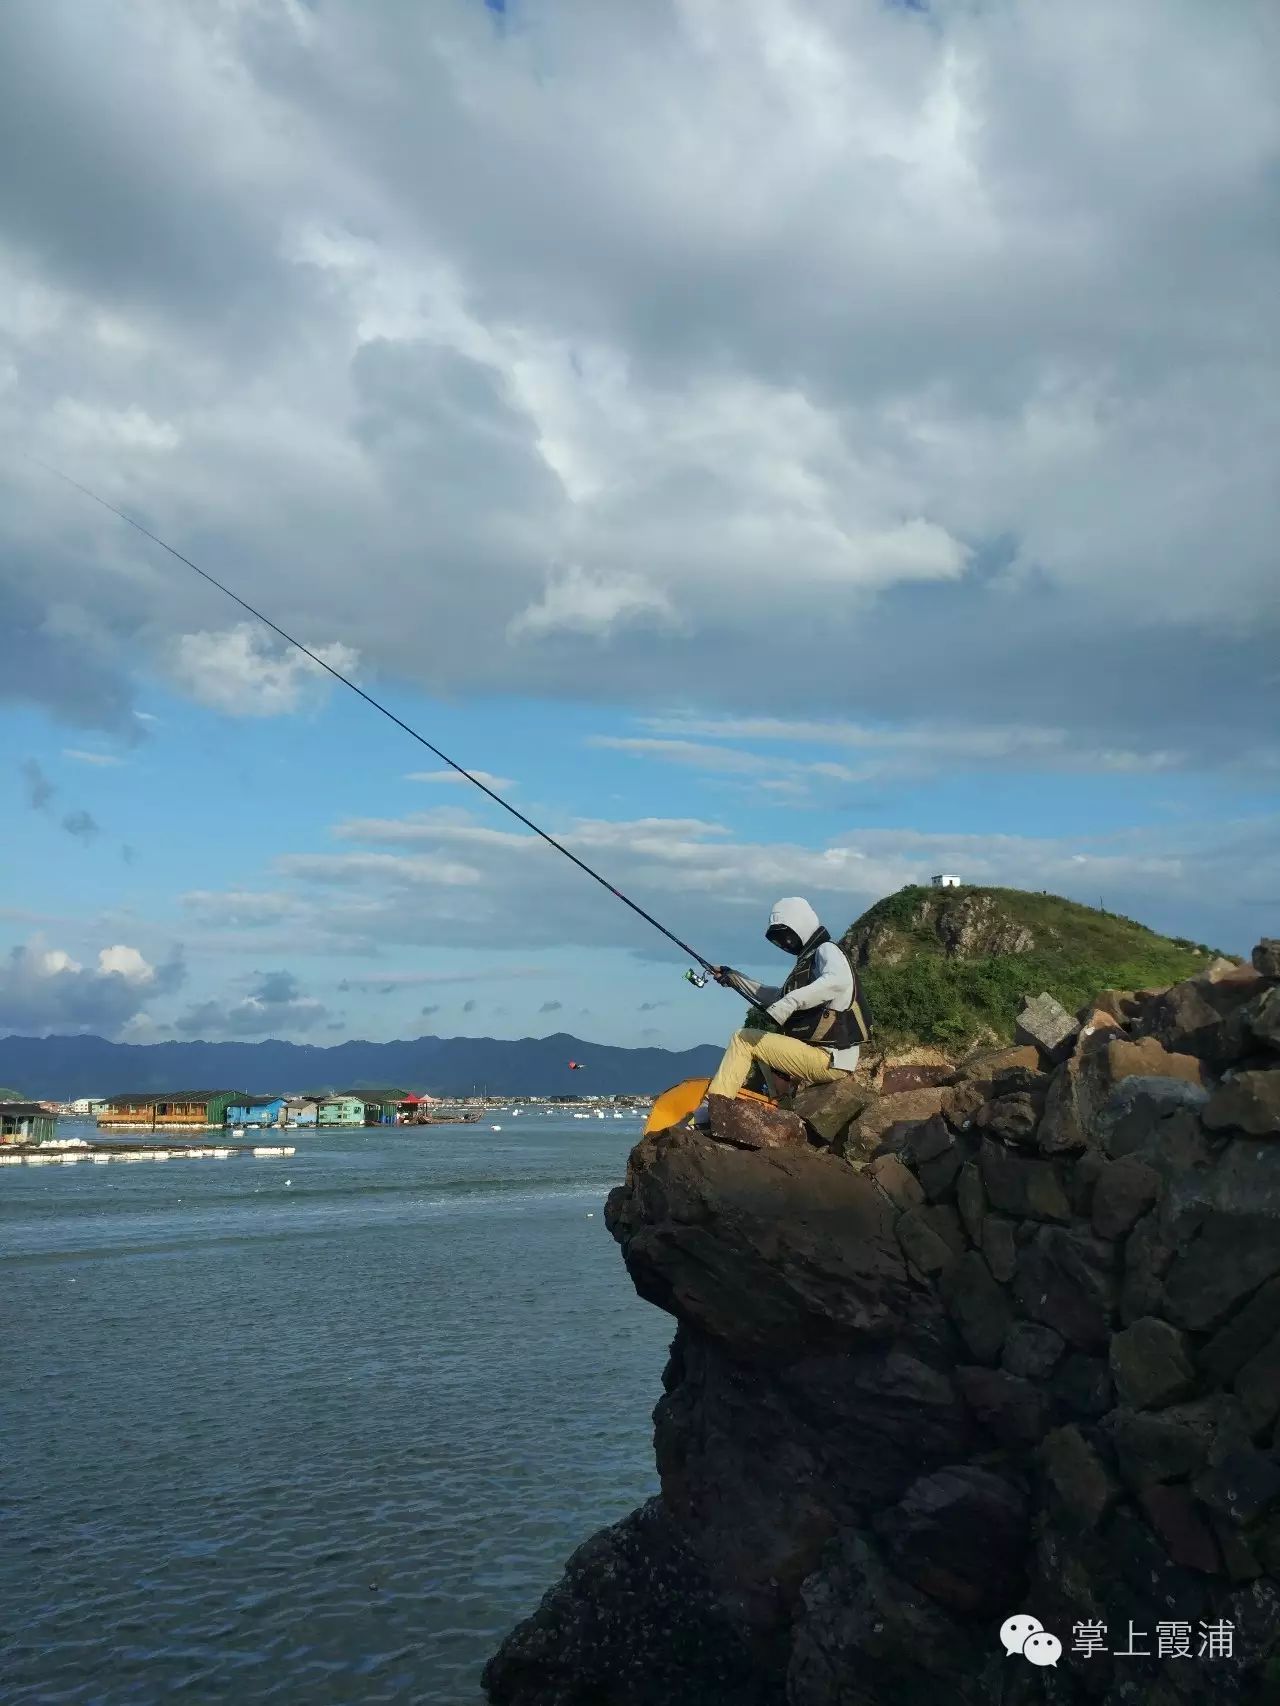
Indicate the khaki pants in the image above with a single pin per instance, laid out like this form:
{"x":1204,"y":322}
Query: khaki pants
{"x":798,"y":1060}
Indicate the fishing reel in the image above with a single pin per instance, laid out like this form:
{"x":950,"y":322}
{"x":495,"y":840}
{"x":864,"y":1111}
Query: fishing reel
{"x":699,"y":980}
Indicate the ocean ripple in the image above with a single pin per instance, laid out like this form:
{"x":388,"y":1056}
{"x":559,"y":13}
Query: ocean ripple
{"x":316,"y":1443}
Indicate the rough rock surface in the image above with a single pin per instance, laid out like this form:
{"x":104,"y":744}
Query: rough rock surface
{"x":967,"y":927}
{"x":1047,"y":1025}
{"x":907,"y":1106}
{"x":929,"y":1374}
{"x":975,"y":925}
{"x":755,"y":1125}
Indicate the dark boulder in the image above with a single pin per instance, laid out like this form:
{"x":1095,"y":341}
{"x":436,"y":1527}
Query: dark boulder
{"x":1000,"y":1247}
{"x":884,"y":1415}
{"x":1262,"y":1016}
{"x":1013,"y":1118}
{"x":1227,"y":1260}
{"x":829,"y":1109}
{"x":1151,"y":1364}
{"x":754,"y":1125}
{"x":865,"y":1636}
{"x":633,"y":1621}
{"x":1243,"y":1336}
{"x":940,"y":1175}
{"x":1067,"y":1279}
{"x":1204,"y":1016}
{"x":1084,"y":1487}
{"x":910,"y":1107}
{"x":1142,"y":1114}
{"x":895,"y":1079}
{"x":1081,"y":1387}
{"x":1123,"y":1193}
{"x":1082,"y":1086}
{"x":774,"y":1252}
{"x":1022,"y":1186}
{"x":1031,"y":1350}
{"x":958,"y":1534}
{"x":977,"y":1306}
{"x":1182,"y":1528}
{"x":897,"y":1182}
{"x":1164,"y":1445}
{"x":971,"y":1200}
{"x":923,"y":1244}
{"x":1009,"y":1408}
{"x":1020,"y":1081}
{"x":984,"y":1065}
{"x":1247,"y":1102}
{"x":1238,"y":1482}
{"x":1257,"y":1386}
{"x":1148,"y":1253}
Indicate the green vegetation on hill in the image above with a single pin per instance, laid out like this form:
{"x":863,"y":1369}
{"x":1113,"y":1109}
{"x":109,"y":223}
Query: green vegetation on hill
{"x":950,"y":967}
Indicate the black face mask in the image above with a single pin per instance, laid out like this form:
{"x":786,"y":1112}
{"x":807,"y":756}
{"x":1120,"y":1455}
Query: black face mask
{"x":784,"y":937}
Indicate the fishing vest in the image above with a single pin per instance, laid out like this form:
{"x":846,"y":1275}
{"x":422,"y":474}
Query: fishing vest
{"x":825,"y":1027}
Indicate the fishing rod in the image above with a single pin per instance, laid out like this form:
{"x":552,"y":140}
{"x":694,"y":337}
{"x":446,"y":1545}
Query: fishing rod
{"x":708,"y":969}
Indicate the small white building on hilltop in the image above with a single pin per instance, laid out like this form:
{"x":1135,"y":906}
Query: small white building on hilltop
{"x":946,"y":882}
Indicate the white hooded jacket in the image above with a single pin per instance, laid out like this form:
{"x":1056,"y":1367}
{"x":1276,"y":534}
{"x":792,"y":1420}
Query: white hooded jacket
{"x":832,"y":987}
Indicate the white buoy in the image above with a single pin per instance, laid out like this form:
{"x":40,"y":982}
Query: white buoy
{"x":591,"y":1214}
{"x":495,"y":1128}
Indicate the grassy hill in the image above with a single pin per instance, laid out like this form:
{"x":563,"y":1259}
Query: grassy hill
{"x":950,"y":966}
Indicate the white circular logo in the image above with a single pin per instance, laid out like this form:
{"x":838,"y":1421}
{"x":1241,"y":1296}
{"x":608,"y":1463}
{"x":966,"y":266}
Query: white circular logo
{"x":1015,"y":1630}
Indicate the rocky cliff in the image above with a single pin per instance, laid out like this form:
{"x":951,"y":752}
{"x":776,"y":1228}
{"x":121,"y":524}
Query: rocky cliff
{"x":1005,"y":1344}
{"x":949,"y":966}
{"x":961,"y":924}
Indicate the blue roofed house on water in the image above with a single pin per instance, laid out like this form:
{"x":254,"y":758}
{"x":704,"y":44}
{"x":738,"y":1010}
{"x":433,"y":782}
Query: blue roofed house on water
{"x":257,"y":1110}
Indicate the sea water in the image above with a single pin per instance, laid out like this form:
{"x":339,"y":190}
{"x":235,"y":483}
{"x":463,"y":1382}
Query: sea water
{"x":311,"y":1429}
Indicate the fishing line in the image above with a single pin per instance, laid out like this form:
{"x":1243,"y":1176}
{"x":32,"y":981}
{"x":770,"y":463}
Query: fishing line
{"x":390,"y":715}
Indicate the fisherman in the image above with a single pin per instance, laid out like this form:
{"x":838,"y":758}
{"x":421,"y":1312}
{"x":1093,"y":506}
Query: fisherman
{"x":819,"y":1010}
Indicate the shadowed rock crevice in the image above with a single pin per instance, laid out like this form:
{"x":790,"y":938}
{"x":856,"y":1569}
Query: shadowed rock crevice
{"x":1004,"y":1341}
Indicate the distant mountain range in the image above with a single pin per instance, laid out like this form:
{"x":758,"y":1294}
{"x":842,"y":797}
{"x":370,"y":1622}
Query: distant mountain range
{"x":63,"y":1068}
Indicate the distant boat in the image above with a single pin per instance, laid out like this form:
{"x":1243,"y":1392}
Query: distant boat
{"x":495,"y":1128}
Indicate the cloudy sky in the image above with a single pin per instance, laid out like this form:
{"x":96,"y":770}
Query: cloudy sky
{"x":787,"y":445}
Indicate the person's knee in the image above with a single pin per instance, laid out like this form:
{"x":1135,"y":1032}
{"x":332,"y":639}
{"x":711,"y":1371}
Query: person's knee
{"x":750,"y":1038}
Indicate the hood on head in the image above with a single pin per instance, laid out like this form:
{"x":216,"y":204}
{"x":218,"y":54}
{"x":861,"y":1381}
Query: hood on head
{"x":797,"y":915}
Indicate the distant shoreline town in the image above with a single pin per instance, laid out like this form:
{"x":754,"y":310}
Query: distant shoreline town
{"x":34,"y":1122}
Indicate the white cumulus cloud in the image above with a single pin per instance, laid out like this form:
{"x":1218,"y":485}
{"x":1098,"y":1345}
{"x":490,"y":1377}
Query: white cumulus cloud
{"x":242,"y":672}
{"x":45,"y":989}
